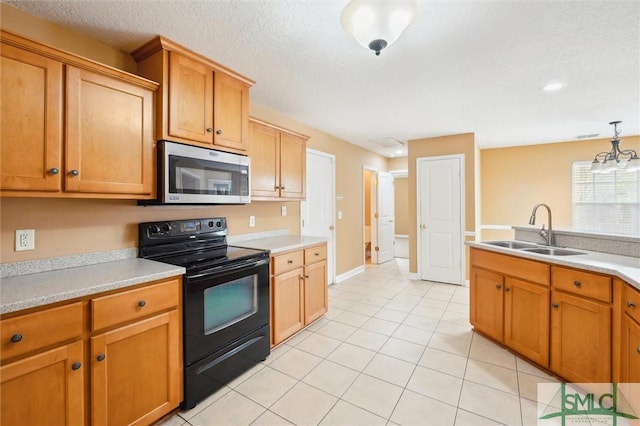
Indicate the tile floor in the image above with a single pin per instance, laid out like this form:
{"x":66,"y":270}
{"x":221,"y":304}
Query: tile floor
{"x":390,"y":351}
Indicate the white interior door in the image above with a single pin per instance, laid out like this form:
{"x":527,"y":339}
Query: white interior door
{"x":317,"y":212}
{"x":385,"y":226}
{"x":440,"y":213}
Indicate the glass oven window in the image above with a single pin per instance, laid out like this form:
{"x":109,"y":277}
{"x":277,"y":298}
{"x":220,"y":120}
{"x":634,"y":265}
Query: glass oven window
{"x":229,"y":303}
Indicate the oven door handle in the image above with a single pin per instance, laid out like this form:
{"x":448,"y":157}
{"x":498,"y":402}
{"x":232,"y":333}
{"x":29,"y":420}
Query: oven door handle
{"x":223,"y":269}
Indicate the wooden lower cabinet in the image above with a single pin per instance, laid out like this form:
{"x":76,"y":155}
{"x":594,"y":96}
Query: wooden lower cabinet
{"x":299,"y":293}
{"x":526,"y":319}
{"x":487,"y":307}
{"x":133,"y":371}
{"x":630,"y":351}
{"x":125,"y":368}
{"x":44,"y":389}
{"x":287,"y":305}
{"x":580,"y":338}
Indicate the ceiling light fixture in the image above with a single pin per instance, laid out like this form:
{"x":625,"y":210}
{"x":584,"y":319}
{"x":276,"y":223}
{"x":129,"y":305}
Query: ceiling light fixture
{"x":377,"y":24}
{"x":551,"y":87}
{"x":605,"y":162}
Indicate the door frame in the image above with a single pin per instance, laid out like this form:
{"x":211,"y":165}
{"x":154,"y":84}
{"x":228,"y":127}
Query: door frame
{"x":331,"y":276}
{"x":373,"y":195}
{"x":463,"y":216}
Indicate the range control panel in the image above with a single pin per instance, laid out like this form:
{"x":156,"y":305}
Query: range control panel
{"x":183,"y":228}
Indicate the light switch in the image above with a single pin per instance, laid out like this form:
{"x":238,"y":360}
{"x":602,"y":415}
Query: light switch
{"x":252,"y":221}
{"x":339,"y":215}
{"x":283,"y":210}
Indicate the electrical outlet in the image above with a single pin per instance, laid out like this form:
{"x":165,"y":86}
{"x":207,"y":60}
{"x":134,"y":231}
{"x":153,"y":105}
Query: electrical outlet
{"x":25,"y":239}
{"x":252,"y":221}
{"x":283,"y":211}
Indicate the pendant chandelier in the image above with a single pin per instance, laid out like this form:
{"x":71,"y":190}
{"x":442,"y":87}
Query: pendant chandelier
{"x":616,"y":159}
{"x":377,"y":24}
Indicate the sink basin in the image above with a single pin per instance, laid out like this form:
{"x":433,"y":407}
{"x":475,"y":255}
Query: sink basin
{"x":511,"y":244}
{"x":553,"y":251}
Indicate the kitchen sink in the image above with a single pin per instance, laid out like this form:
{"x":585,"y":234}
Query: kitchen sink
{"x":511,"y":244}
{"x":551,"y":251}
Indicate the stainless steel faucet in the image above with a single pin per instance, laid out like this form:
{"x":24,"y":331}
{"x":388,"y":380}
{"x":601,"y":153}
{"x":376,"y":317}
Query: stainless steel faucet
{"x":548,"y":234}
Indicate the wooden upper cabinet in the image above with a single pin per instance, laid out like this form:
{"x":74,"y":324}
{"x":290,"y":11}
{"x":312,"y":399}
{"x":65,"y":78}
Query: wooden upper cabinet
{"x":230,"y":112}
{"x":92,"y":139}
{"x":108,"y":153}
{"x":278,"y":162}
{"x":201,"y":102}
{"x":191,"y":99}
{"x":31,"y":125}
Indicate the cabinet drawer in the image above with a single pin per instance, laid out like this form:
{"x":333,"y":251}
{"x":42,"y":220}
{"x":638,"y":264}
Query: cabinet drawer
{"x":631,"y":302}
{"x":582,"y":283}
{"x":132,"y":304}
{"x":315,"y":254}
{"x":287,"y":262}
{"x":37,"y":330}
{"x":518,"y":267}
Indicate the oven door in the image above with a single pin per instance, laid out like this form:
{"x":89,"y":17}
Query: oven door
{"x":224,"y":304}
{"x":200,"y":175}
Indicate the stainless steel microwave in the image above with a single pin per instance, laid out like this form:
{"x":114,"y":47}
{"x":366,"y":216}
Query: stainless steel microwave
{"x":193,"y":175}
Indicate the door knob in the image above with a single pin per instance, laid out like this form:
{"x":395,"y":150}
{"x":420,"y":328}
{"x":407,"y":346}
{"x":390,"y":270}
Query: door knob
{"x":424,"y":226}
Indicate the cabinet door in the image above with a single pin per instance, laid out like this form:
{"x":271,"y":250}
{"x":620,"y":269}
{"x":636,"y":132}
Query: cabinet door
{"x":580,"y":339}
{"x":315,"y":291}
{"x":109,"y":135}
{"x":526,"y":319}
{"x":44,"y":389}
{"x":190,"y":99}
{"x":31,"y":125}
{"x":630,"y":350}
{"x":265,"y":161}
{"x":487,"y":307}
{"x":293,"y":156}
{"x":136,"y":375}
{"x":288,"y":305}
{"x":230,"y":112}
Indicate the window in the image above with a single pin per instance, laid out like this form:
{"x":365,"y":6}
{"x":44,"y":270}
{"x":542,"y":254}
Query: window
{"x":608,"y":203}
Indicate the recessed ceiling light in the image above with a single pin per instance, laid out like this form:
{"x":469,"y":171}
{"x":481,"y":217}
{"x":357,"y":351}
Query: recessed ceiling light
{"x":553,"y":86}
{"x":399,"y":151}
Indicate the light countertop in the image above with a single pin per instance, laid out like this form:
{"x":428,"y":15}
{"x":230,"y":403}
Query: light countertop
{"x":281,"y":243}
{"x":38,"y":289}
{"x":626,"y":268}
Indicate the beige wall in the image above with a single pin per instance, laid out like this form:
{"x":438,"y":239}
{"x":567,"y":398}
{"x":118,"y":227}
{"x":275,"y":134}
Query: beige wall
{"x":18,"y":22}
{"x":445,"y":145}
{"x":513,"y":180}
{"x":401,"y":191}
{"x":398,"y":163}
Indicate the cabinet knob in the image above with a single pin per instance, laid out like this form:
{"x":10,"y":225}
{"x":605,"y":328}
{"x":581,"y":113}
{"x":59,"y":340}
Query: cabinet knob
{"x":142,"y":303}
{"x":316,"y":254}
{"x":283,"y":188}
{"x":209,"y":129}
{"x":74,"y":173}
{"x":276,"y":187}
{"x":306,"y":277}
{"x":76,"y":366}
{"x":577,"y":283}
{"x":16,"y":338}
{"x":54,"y":171}
{"x":630,"y":304}
{"x":100,"y":357}
{"x":289,"y":261}
{"x":554,"y":305}
{"x":638,"y":349}
{"x":498,"y":286}
{"x":219,"y":132}
{"x":302,"y":277}
{"x":507,"y":289}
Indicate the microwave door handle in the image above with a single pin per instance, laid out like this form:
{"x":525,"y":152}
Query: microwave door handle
{"x":224,"y":270}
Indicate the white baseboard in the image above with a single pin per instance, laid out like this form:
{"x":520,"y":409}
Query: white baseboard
{"x":413,"y":276}
{"x":349,"y":274}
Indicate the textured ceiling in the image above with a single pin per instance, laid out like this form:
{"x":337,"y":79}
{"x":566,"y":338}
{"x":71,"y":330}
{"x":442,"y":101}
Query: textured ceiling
{"x":463,"y":66}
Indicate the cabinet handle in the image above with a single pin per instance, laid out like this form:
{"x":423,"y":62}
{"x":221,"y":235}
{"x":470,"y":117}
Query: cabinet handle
{"x":630,"y":304}
{"x":577,"y":283}
{"x":306,"y":277}
{"x":74,"y":172}
{"x":498,"y":286}
{"x":507,"y":289}
{"x":209,"y":129}
{"x":283,"y":188}
{"x":219,"y":132}
{"x":302,"y":277}
{"x":289,"y":261}
{"x":101,"y":357}
{"x":54,"y":171}
{"x":638,"y":349}
{"x":142,"y":303}
{"x":316,"y":254}
{"x":76,"y":366}
{"x":554,"y":305}
{"x":276,"y":187}
{"x":16,"y":338}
